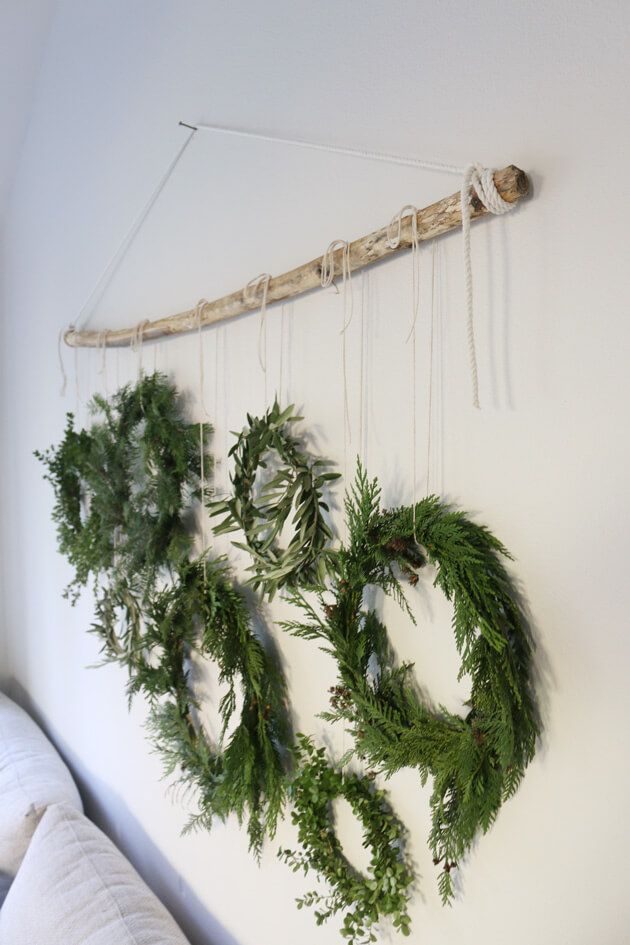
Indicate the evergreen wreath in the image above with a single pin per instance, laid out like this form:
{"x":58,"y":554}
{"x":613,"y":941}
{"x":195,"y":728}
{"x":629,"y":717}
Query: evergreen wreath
{"x":296,"y":486}
{"x":364,"y":900}
{"x":476,"y":762}
{"x":124,"y":493}
{"x":123,"y":488}
{"x":203,"y":612}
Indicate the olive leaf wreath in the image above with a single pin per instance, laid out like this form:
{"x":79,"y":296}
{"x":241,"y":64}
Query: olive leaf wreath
{"x":295,"y":487}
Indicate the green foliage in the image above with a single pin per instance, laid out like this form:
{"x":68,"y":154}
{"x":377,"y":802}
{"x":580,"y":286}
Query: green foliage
{"x":203,"y":612}
{"x":123,"y":487}
{"x":476,"y":762}
{"x":124,"y":496}
{"x":296,"y":487}
{"x":363,"y":900}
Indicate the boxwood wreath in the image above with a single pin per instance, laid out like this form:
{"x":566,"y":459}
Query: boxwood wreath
{"x":364,"y":900}
{"x":125,"y":493}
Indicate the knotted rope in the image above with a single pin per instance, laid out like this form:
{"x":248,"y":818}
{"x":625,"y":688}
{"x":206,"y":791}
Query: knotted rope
{"x":482,"y":180}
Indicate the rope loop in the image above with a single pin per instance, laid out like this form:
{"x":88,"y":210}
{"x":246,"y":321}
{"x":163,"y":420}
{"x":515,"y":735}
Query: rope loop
{"x":250,"y":294}
{"x":328,"y":274}
{"x":396,"y":221}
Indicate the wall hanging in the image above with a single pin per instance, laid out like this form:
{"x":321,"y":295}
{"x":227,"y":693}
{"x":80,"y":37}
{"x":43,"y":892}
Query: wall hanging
{"x":128,"y":491}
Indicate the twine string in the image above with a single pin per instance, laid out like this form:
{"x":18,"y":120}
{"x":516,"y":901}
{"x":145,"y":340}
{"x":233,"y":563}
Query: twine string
{"x":327,"y":279}
{"x":394,"y":236}
{"x":202,"y":452}
{"x":482,"y":180}
{"x":250,"y":293}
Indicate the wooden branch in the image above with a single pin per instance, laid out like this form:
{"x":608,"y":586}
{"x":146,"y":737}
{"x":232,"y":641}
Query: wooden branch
{"x":439,"y":218}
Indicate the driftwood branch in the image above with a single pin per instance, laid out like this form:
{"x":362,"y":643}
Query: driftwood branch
{"x":439,"y":218}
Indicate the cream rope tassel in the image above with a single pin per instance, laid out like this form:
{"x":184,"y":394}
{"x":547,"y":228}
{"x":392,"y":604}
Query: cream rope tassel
{"x":482,"y":179}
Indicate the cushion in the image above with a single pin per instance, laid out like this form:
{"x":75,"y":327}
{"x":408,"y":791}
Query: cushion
{"x":75,"y":888}
{"x":5,"y":883}
{"x":32,"y":776}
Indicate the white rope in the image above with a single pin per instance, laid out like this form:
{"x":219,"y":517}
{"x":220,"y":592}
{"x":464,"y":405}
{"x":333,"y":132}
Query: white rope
{"x":281,"y":371}
{"x":136,"y":343}
{"x":76,"y":384}
{"x":362,"y":371}
{"x":327,"y":279}
{"x":482,"y":179}
{"x":400,"y":159}
{"x":102,"y":371}
{"x":250,"y":294}
{"x":88,"y":307}
{"x":62,"y":367}
{"x":430,"y":397}
{"x":394,"y":242}
{"x":202,"y":453}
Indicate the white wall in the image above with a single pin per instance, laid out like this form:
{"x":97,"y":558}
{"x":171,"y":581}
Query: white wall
{"x":544,"y":463}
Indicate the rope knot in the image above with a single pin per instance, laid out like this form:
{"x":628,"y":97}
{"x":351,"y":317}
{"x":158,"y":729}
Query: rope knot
{"x":482,"y":180}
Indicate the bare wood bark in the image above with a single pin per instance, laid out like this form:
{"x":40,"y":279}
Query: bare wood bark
{"x":511,"y":182}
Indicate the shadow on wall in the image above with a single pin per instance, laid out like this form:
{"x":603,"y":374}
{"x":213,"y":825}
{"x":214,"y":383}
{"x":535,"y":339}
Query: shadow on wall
{"x":109,"y":812}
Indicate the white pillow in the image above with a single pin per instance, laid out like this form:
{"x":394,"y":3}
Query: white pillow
{"x":32,"y":776}
{"x":75,"y":888}
{"x":5,"y":885}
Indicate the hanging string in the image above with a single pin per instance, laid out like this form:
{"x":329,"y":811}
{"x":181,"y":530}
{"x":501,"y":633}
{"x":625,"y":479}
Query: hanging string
{"x":280,"y":390}
{"x":202,"y":452}
{"x":327,"y":279}
{"x":62,"y":367}
{"x":362,"y":370}
{"x":393,"y":241}
{"x":106,"y":276}
{"x":431,"y":337}
{"x":102,"y":371}
{"x":250,"y":294}
{"x":136,"y":343}
{"x":400,"y":159}
{"x":482,"y":179}
{"x":77,"y":392}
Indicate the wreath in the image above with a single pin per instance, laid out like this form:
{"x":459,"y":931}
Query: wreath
{"x":296,"y":486}
{"x":476,"y":761}
{"x":124,"y":487}
{"x":203,"y":612}
{"x":124,"y":494}
{"x":364,"y":900}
